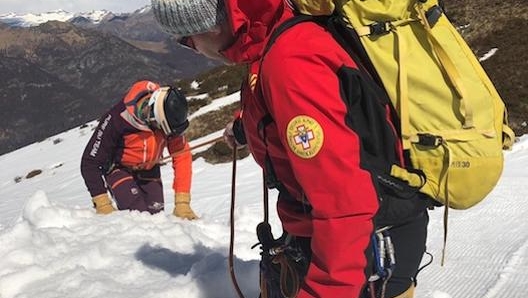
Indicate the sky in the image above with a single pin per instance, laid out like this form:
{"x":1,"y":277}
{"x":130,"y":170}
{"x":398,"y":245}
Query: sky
{"x":53,"y":245}
{"x":39,"y":6}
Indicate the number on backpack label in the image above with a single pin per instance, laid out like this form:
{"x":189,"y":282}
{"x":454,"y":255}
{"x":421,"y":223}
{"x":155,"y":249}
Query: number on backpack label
{"x":460,"y":164}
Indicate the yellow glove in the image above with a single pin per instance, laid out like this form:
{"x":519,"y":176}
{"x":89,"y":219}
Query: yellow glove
{"x":102,"y":204}
{"x":182,"y":206}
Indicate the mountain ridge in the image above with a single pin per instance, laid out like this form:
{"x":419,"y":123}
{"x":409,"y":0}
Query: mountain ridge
{"x":485,"y":24}
{"x":35,"y":19}
{"x":80,"y":71}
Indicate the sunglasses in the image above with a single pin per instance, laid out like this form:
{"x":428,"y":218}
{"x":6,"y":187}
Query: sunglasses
{"x":148,"y":116}
{"x":187,"y":42}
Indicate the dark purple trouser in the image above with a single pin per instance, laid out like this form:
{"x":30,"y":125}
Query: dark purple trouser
{"x":141,"y":191}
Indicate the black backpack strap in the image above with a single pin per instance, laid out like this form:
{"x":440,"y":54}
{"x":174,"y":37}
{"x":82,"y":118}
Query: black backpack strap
{"x":297,"y":19}
{"x":349,"y":40}
{"x":346,"y":37}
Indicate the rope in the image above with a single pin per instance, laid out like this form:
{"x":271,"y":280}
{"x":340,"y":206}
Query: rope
{"x":265,"y":197}
{"x":372,"y":289}
{"x":166,"y":158}
{"x":263,"y":283}
{"x":287,"y":273}
{"x":263,"y":286}
{"x":232,"y":228}
{"x":384,"y":284}
{"x":212,"y":141}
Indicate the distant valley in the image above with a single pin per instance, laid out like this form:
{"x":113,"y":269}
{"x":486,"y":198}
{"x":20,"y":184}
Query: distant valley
{"x":56,"y":75}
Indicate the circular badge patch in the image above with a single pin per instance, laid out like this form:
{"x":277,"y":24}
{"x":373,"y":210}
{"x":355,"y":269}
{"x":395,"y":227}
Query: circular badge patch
{"x":305,"y":136}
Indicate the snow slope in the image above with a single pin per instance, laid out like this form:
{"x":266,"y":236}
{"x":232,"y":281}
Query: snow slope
{"x":54,"y":245}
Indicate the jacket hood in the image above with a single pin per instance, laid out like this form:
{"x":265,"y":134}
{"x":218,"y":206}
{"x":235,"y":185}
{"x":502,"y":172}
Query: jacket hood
{"x":252,"y":22}
{"x":138,"y":92}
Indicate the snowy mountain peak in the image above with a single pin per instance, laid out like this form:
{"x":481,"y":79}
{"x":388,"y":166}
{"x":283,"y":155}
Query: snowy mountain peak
{"x":31,"y":19}
{"x":142,"y":10}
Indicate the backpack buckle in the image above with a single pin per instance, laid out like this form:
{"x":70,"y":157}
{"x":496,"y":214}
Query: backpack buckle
{"x":433,"y":15}
{"x":429,"y":140}
{"x":379,"y":28}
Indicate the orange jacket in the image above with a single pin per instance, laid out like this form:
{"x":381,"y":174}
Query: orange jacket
{"x":122,"y":140}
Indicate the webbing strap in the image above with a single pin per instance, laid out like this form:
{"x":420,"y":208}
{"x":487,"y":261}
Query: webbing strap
{"x":403,"y":81}
{"x":446,"y":215}
{"x":465,"y":107}
{"x":387,"y":27}
{"x":450,"y":69}
{"x":445,"y":177}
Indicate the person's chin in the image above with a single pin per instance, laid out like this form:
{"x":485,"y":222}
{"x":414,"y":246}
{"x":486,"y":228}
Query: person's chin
{"x":219,"y":57}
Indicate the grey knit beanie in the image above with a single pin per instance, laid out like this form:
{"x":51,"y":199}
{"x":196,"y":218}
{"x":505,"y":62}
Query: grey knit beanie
{"x":188,"y":17}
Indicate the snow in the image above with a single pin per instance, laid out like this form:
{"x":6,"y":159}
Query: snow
{"x":32,"y":19}
{"x":217,"y":104}
{"x":488,"y":55}
{"x":116,"y":6}
{"x":54,"y":245}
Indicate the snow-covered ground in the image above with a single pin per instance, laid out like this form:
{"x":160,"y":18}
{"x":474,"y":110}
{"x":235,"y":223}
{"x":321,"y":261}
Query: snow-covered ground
{"x":54,"y":245}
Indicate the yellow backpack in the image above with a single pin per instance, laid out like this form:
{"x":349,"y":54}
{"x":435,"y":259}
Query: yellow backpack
{"x":453,"y":121}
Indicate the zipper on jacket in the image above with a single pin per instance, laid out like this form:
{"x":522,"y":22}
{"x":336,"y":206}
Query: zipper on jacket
{"x":145,"y":148}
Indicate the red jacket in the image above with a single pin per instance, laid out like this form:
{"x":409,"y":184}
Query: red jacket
{"x":315,"y":155}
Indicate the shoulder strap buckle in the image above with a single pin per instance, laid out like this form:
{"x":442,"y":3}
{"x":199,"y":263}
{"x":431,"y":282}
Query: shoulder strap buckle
{"x":429,"y":140}
{"x":379,"y":28}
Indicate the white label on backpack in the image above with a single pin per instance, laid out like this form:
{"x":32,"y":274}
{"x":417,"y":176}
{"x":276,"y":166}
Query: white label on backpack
{"x":305,"y":136}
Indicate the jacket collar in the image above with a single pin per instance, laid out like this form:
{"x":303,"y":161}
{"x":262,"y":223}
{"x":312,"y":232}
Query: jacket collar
{"x":252,"y":23}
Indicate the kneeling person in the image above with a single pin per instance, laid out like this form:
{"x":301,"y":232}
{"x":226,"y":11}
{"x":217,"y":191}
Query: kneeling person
{"x":123,"y":153}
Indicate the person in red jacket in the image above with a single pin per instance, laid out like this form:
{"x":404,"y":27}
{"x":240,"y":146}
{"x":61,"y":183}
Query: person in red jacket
{"x":123,"y":153}
{"x":303,"y":132}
